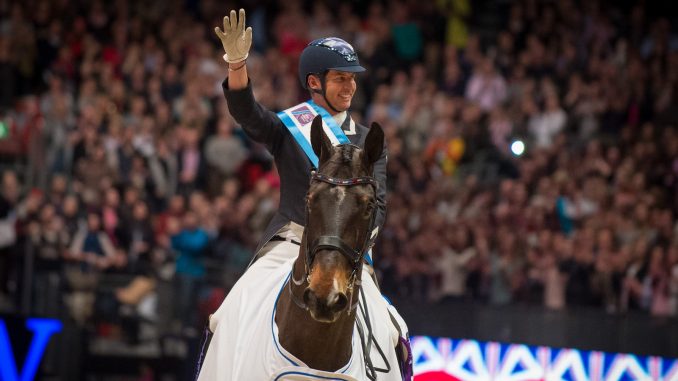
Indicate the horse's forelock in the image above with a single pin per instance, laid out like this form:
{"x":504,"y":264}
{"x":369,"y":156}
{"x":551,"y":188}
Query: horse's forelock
{"x":347,"y":154}
{"x":345,"y":162}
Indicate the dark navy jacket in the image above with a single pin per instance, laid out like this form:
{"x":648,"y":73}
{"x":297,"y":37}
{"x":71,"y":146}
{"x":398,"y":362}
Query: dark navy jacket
{"x":293,"y":165}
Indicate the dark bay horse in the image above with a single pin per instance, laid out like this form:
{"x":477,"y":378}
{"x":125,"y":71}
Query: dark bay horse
{"x":297,"y":319}
{"x":316,"y":322}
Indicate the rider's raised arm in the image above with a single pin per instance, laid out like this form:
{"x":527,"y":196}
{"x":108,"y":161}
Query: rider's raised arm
{"x":237,"y":42}
{"x":259,"y":123}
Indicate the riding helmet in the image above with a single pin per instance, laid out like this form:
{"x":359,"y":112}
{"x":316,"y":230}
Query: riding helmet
{"x":330,"y":53}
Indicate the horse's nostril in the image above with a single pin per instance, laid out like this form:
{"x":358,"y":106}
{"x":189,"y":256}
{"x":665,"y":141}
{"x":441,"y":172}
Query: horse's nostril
{"x":340,"y":302}
{"x":309,"y":297}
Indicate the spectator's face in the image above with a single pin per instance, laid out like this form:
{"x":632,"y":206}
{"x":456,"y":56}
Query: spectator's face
{"x":471,"y":113}
{"x":519,"y":195}
{"x":10,"y":186}
{"x":197,"y":201}
{"x":162,"y":112}
{"x":140,"y":211}
{"x":507,"y":245}
{"x":70,"y":206}
{"x":641,"y":213}
{"x":191,"y":137}
{"x":55,"y":84}
{"x":231,"y":188}
{"x":138,"y":164}
{"x":339,"y":88}
{"x":138,"y":106}
{"x":262,"y":187}
{"x":171,"y":73}
{"x":112,"y":198}
{"x":98,"y":154}
{"x":176,"y":204}
{"x":505,"y":41}
{"x":221,"y":204}
{"x":131,"y":196}
{"x":30,"y":105}
{"x":545,"y":237}
{"x":148,"y":124}
{"x":93,"y":222}
{"x":486,"y":67}
{"x":47,"y":213}
{"x":117,"y":90}
{"x":605,"y":239}
{"x":613,"y":155}
{"x":552,"y":103}
{"x":564,"y":246}
{"x":190,"y":221}
{"x":59,"y":184}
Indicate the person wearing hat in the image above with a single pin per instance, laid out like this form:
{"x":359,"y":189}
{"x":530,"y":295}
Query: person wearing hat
{"x":327,"y":69}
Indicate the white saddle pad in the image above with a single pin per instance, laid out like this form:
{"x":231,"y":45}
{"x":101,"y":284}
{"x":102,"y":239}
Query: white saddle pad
{"x":245,"y":343}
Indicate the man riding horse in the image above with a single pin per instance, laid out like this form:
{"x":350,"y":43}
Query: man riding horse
{"x":327,"y":69}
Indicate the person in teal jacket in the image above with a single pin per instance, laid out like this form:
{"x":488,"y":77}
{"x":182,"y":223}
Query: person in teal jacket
{"x":190,"y":244}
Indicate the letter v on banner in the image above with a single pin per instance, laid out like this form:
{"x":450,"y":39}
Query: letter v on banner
{"x":42,"y":330}
{"x":298,"y":120}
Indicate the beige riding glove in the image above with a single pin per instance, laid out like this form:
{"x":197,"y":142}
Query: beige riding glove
{"x":235,"y":38}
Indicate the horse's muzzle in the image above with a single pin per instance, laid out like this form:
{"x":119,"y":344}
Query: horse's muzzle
{"x":327,"y":309}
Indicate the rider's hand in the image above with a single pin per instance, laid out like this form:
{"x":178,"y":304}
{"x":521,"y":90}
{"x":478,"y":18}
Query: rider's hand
{"x":235,"y":38}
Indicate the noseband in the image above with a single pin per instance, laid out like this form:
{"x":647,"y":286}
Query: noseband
{"x":333,"y":242}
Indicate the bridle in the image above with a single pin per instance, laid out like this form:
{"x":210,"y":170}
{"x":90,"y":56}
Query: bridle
{"x":333,"y":242}
{"x":355,"y":258}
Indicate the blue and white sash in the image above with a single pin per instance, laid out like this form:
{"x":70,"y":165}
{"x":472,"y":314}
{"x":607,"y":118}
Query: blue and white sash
{"x":298,"y":120}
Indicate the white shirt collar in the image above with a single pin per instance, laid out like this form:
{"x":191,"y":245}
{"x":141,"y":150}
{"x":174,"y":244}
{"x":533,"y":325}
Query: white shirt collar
{"x":340,"y":118}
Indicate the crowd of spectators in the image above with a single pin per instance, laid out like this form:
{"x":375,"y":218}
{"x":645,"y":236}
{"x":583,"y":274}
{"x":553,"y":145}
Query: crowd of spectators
{"x":120,"y":158}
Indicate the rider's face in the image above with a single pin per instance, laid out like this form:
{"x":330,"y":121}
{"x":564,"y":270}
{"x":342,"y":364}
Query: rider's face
{"x":339,"y":89}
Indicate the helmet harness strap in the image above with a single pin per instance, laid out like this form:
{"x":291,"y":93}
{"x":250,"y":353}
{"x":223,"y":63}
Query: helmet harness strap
{"x":323,"y":90}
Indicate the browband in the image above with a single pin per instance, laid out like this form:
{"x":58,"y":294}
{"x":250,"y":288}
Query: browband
{"x":344,"y":182}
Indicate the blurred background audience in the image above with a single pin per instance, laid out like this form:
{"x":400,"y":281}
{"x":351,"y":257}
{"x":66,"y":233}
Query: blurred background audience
{"x":135,"y":195}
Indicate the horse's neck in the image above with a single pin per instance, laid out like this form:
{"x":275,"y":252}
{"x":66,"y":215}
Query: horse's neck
{"x":321,"y":346}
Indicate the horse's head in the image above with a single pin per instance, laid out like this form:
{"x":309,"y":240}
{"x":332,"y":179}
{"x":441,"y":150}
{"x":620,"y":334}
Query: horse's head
{"x":340,"y":206}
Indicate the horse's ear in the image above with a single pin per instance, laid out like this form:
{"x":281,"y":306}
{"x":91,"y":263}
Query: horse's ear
{"x":322,"y":146}
{"x":374,"y":145}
